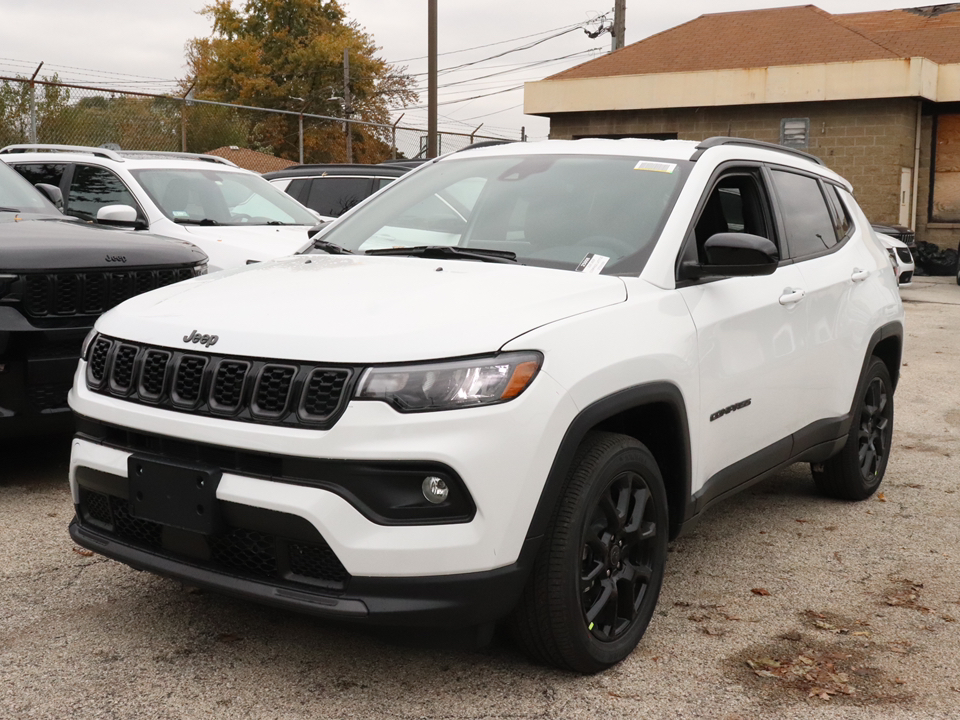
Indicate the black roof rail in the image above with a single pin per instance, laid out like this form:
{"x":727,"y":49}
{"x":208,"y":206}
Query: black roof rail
{"x":718,"y":141}
{"x":485,"y":143}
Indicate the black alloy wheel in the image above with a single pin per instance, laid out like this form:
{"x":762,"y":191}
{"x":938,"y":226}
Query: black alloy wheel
{"x":857,"y":470}
{"x":597,"y":576}
{"x":619,"y":543}
{"x":876,"y":425}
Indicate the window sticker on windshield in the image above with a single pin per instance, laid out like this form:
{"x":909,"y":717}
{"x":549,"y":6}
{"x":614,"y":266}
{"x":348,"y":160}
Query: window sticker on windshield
{"x":592,"y":264}
{"x":180,"y":213}
{"x":655,"y":166}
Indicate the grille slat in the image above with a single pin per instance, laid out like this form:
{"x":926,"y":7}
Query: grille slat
{"x":189,"y":379}
{"x":91,"y":293}
{"x":123,"y":361}
{"x":228,"y":385}
{"x":154,"y":374}
{"x":323,"y":393}
{"x":250,"y":390}
{"x":273,"y":389}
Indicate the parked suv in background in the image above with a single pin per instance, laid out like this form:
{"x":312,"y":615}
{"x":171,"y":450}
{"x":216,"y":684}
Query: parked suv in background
{"x":233,"y":215}
{"x":330,"y":190}
{"x":56,"y":276}
{"x":545,"y":361}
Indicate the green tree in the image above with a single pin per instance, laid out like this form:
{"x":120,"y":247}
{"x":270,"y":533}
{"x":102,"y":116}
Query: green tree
{"x":288,"y":55}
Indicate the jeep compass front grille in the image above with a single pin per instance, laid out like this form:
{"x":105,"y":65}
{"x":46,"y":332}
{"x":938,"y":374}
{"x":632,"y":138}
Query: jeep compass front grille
{"x":261,"y":391}
{"x":91,"y":293}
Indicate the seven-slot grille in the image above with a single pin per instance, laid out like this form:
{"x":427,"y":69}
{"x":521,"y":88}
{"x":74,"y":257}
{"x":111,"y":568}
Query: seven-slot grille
{"x":251,"y":390}
{"x":91,"y":293}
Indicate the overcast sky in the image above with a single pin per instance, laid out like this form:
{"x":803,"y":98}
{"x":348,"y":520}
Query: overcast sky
{"x":101,"y":42}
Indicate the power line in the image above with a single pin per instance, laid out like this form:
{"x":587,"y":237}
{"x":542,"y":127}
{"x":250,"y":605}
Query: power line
{"x":495,"y":112}
{"x":444,"y":71}
{"x":519,"y":67}
{"x":478,"y":47}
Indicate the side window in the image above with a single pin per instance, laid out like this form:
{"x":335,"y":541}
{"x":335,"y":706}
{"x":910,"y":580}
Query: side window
{"x":737,"y":203}
{"x":295,"y":188}
{"x":49,"y":173}
{"x":808,"y":223}
{"x":333,"y":196}
{"x":93,"y":188}
{"x":841,"y":219}
{"x":383,"y":182}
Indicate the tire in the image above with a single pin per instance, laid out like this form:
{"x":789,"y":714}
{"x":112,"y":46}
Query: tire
{"x":857,"y":470}
{"x":597,"y":576}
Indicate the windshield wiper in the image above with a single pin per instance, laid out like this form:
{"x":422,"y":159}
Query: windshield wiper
{"x":450,"y":252}
{"x":6,"y":209}
{"x":191,"y":221}
{"x":331,"y":248}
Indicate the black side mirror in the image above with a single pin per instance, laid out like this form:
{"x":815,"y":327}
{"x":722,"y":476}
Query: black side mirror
{"x":734,"y":255}
{"x":51,"y":193}
{"x":317,"y":228}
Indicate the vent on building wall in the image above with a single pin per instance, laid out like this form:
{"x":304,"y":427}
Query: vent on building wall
{"x":795,"y":132}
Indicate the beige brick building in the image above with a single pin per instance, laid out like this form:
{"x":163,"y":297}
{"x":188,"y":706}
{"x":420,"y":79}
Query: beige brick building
{"x":856,"y":90}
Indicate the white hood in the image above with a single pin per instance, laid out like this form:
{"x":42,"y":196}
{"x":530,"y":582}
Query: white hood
{"x":230,"y":246}
{"x":359,"y":309}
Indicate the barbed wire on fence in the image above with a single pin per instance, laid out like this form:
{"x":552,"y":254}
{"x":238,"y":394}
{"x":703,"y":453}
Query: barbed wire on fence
{"x":52,"y":112}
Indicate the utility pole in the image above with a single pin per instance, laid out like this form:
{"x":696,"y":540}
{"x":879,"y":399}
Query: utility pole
{"x":619,"y":25}
{"x":347,"y":107}
{"x":431,"y":78}
{"x":33,"y":105}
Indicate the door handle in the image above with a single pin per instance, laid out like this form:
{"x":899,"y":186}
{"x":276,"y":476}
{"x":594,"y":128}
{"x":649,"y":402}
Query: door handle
{"x":859,"y":275}
{"x":791,"y":296}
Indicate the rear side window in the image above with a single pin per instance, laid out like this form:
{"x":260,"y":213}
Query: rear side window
{"x":296,"y":188}
{"x":93,"y":188}
{"x":808,"y":223}
{"x":841,"y":220}
{"x":333,"y":196}
{"x":49,"y":173}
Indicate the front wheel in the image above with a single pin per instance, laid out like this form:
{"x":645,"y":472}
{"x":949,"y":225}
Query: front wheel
{"x":598,"y":573}
{"x":856,"y":471}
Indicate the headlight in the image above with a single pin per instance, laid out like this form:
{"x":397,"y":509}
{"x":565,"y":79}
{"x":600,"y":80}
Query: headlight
{"x":200,"y":269}
{"x":87,"y":342}
{"x":450,"y":385}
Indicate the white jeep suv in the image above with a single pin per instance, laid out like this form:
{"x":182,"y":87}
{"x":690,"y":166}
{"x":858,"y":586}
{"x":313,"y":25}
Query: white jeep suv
{"x":497,"y":389}
{"x":233,"y":215}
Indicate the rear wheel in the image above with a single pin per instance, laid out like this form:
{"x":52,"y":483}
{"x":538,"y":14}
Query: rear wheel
{"x":856,"y":471}
{"x":597,"y":577}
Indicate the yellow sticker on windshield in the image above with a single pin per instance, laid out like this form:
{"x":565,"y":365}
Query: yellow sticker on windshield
{"x":655,"y":166}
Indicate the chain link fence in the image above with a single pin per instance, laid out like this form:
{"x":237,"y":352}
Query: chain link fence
{"x":48,"y":112}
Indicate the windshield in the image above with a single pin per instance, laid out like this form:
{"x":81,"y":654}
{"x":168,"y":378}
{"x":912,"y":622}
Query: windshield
{"x":19,"y":196}
{"x":598,"y":213}
{"x":217,"y":197}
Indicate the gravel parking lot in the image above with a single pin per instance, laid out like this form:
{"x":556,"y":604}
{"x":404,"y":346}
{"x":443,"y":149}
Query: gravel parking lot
{"x":781,"y":604}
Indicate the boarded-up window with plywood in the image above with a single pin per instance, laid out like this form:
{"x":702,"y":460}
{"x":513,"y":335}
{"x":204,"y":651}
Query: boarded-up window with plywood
{"x":946,"y":173}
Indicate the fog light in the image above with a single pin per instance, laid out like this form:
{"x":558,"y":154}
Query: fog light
{"x":435,"y":490}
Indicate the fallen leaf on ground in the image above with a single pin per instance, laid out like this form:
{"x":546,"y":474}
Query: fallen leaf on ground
{"x":83,"y":551}
{"x":760,"y":591}
{"x":881,"y":497}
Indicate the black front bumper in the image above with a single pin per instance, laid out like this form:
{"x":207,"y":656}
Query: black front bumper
{"x":452,"y":601}
{"x":36,"y":373}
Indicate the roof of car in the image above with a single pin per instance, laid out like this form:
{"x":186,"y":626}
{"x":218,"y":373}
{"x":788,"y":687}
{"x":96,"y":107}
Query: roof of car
{"x":659,"y":149}
{"x":338,"y":169}
{"x":128,"y":158}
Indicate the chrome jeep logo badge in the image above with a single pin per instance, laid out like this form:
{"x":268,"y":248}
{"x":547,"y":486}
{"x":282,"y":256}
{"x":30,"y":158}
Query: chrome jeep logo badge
{"x":205,"y":340}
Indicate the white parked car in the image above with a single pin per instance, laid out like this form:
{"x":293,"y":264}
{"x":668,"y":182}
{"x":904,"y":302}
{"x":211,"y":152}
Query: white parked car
{"x":900,"y":257}
{"x":497,"y":390}
{"x":233,"y":215}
